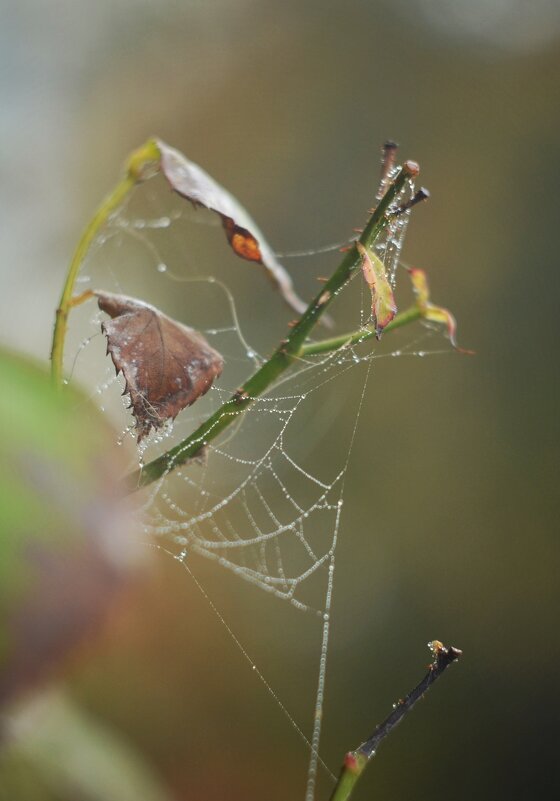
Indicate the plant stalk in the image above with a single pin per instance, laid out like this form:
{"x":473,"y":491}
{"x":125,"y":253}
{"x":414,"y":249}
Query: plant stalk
{"x":290,"y":348}
{"x":355,"y":337}
{"x":134,"y":172}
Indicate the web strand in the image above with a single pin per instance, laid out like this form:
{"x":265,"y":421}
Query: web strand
{"x":320,"y":694}
{"x":181,"y":559}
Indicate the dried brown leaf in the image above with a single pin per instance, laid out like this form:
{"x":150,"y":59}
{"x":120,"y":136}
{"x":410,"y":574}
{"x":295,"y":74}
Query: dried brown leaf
{"x":166,"y":365}
{"x":247,"y":241}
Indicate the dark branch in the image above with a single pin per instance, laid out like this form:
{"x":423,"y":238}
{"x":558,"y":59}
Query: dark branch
{"x":421,"y":195}
{"x":388,"y":162}
{"x":443,"y":657}
{"x":356,"y":761}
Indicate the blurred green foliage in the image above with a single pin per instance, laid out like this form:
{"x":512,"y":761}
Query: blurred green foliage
{"x":66,"y":544}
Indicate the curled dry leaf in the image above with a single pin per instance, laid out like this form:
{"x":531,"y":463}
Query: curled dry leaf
{"x":383,"y":306}
{"x":246,"y":240}
{"x":166,"y":365}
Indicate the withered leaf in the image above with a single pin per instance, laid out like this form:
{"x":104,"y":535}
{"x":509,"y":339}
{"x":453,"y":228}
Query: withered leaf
{"x":247,"y":241}
{"x":166,"y":365}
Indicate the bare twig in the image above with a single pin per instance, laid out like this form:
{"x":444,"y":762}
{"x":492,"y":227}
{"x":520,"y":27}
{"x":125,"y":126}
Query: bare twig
{"x":422,"y":194}
{"x":388,"y":161}
{"x":356,"y":761}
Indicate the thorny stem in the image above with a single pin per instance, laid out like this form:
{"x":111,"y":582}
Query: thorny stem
{"x":356,"y":761}
{"x":134,"y":173}
{"x":290,"y":349}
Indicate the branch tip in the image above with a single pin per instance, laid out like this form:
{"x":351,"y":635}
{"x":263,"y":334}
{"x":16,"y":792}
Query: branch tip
{"x":422,"y":194}
{"x":411,"y":169}
{"x":443,"y":656}
{"x":388,"y":159}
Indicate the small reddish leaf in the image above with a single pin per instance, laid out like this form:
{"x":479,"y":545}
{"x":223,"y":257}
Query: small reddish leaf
{"x":420,"y":287}
{"x":166,"y":365}
{"x":431,"y":312}
{"x":383,"y":306}
{"x":246,"y":240}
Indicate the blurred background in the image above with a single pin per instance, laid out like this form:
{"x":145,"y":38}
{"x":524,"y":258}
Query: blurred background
{"x":453,"y":534}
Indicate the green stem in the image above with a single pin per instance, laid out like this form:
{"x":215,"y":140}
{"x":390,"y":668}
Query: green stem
{"x":354,"y":338}
{"x":287,"y":352}
{"x":135,"y":169}
{"x":356,"y":761}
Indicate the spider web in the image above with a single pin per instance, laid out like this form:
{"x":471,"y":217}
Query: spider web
{"x":265,"y":500}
